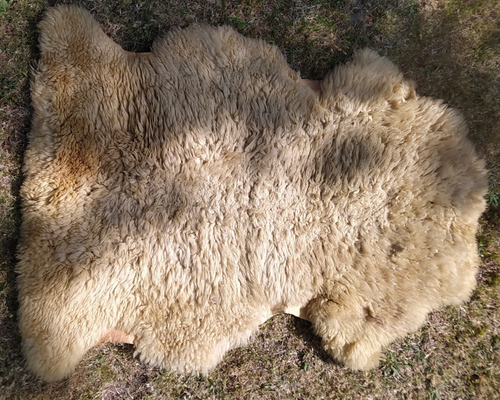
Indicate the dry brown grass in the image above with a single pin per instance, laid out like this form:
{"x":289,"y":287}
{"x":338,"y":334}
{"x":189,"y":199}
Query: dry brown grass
{"x":450,"y":48}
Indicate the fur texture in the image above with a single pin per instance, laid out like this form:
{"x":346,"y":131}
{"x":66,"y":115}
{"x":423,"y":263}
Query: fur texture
{"x":186,"y":195}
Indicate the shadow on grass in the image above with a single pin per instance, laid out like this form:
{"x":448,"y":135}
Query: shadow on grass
{"x":12,"y":368}
{"x":446,"y":54}
{"x":304,"y":330}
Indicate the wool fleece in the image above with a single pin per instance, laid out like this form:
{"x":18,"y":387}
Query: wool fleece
{"x":184,"y":196}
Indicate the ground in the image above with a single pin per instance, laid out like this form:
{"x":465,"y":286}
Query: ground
{"x":450,"y":48}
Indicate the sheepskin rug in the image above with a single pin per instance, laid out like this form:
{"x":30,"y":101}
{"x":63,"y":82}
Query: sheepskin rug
{"x":182,"y":197}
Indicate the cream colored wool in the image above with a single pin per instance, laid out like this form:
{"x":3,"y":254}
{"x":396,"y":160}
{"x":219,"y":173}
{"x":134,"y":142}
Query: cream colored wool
{"x":186,"y":195}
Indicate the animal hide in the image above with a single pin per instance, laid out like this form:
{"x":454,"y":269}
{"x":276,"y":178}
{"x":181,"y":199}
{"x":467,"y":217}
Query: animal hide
{"x":184,"y":196}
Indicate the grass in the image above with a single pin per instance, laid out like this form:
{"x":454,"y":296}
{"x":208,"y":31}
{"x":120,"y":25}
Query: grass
{"x":450,"y":48}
